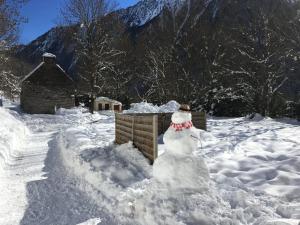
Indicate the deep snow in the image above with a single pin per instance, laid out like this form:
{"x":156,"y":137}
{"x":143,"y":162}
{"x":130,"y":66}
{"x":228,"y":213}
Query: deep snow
{"x":68,"y":171}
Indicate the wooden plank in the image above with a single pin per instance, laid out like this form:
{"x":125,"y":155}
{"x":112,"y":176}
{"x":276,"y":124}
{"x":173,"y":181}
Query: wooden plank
{"x":155,"y":135}
{"x":121,"y":140}
{"x":124,"y":123}
{"x":123,"y":117}
{"x":144,"y":119}
{"x":148,"y":156}
{"x":144,"y":127}
{"x":143,"y":133}
{"x":141,"y":114}
{"x":125,"y":134}
{"x":144,"y":148}
{"x":124,"y":128}
{"x":143,"y":140}
{"x":116,"y":135}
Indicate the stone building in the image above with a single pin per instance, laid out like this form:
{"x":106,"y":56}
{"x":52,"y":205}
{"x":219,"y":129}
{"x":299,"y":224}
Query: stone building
{"x":47,"y":88}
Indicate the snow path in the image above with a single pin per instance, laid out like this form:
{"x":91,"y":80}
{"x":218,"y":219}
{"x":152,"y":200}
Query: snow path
{"x":24,"y":168}
{"x":35,"y":188}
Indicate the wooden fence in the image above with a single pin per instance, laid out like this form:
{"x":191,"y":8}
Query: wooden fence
{"x":143,"y":129}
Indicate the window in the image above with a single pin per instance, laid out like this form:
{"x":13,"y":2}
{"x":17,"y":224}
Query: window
{"x":116,"y":108}
{"x":100,"y":107}
{"x":106,"y":106}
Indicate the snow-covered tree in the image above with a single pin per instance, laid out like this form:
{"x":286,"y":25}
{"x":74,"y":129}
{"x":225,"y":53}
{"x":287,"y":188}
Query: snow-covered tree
{"x":261,"y":57}
{"x":9,"y":83}
{"x":94,"y":50}
{"x":10,"y":19}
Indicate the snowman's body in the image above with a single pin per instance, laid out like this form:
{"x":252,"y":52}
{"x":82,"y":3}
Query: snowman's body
{"x":178,"y":168}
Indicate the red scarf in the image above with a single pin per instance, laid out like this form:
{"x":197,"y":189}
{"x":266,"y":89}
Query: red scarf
{"x":181,"y":126}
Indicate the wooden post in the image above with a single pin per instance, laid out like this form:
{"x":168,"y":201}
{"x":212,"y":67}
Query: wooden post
{"x":205,"y":121}
{"x":116,"y":122}
{"x":132,"y":130}
{"x":155,"y":136}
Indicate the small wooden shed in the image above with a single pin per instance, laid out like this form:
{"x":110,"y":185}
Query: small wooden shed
{"x":47,"y":88}
{"x":104,"y":103}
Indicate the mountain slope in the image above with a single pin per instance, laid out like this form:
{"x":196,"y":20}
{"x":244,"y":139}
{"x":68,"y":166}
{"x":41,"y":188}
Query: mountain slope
{"x":59,"y":39}
{"x":227,"y":50}
{"x":146,"y":10}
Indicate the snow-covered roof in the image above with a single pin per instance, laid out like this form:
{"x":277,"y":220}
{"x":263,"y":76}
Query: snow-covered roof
{"x":106,"y":99}
{"x":49,"y":55}
{"x":32,"y":72}
{"x":59,"y":67}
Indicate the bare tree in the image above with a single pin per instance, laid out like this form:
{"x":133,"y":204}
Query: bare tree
{"x":96,"y":59}
{"x":10,"y":19}
{"x":263,"y":57}
{"x":94,"y":50}
{"x":85,"y":12}
{"x":155,"y":78}
{"x":9,"y":82}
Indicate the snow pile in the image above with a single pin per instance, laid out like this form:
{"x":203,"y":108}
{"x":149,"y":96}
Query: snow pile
{"x":12,"y":136}
{"x":150,"y":203}
{"x":255,"y":117}
{"x":91,"y":222}
{"x":145,"y":107}
{"x":142,"y":107}
{"x":88,"y":152}
{"x":171,"y":106}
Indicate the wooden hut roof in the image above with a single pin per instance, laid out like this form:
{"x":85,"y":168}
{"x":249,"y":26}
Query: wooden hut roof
{"x":40,"y":66}
{"x":105,"y":99}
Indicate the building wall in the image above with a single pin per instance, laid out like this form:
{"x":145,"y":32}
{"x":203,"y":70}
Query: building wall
{"x":36,"y":99}
{"x":111,"y":105}
{"x":46,"y":90}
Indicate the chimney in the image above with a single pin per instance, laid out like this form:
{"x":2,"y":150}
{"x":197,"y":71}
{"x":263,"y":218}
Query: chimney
{"x":49,"y":58}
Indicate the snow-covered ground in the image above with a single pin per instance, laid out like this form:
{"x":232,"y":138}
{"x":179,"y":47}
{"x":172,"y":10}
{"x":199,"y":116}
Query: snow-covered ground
{"x":67,"y":170}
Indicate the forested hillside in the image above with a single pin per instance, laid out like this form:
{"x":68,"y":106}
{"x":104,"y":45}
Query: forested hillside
{"x":230,"y":58}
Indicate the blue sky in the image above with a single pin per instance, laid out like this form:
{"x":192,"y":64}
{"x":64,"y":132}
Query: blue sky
{"x":42,"y":16}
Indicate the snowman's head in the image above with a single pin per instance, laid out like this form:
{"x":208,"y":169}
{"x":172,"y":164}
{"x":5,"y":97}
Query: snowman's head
{"x":181,"y":117}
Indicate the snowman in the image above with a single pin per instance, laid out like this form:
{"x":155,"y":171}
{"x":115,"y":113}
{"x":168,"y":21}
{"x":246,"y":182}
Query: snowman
{"x":178,"y":168}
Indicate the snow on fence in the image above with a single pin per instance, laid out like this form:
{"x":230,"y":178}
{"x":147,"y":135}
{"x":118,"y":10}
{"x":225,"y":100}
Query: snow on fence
{"x":143,"y":129}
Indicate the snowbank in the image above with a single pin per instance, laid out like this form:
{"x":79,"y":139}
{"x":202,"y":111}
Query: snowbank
{"x":145,"y":107}
{"x":88,"y":152}
{"x":254,"y":167}
{"x":265,"y":157}
{"x":12,"y":136}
